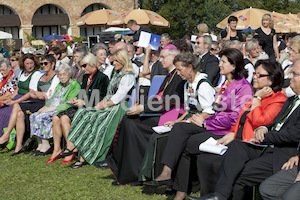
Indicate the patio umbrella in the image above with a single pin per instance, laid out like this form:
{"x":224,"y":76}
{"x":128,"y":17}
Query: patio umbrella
{"x":117,"y":30}
{"x":4,"y":35}
{"x":104,"y":17}
{"x":145,"y":18}
{"x":251,"y":17}
{"x":68,"y":38}
{"x":50,"y":37}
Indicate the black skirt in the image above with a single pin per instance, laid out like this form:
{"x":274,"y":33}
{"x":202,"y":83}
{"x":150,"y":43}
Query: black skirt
{"x":70,"y":112}
{"x":129,"y":146}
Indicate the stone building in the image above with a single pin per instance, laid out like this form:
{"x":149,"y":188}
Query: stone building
{"x":45,"y":17}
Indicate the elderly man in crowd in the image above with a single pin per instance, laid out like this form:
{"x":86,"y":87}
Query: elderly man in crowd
{"x":209,"y":63}
{"x":246,"y":165}
{"x":165,"y":40}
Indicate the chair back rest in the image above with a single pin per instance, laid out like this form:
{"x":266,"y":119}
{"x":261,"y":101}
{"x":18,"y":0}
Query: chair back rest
{"x":155,"y":85}
{"x":134,"y":97}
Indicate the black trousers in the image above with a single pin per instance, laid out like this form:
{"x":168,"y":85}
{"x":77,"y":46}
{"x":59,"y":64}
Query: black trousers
{"x":181,"y":150}
{"x":244,"y":165}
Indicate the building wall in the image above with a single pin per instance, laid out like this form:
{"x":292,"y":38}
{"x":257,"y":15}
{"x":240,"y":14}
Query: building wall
{"x":26,"y":9}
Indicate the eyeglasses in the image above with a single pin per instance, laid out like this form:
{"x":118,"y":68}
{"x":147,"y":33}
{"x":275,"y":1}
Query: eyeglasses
{"x":212,"y":49}
{"x":260,"y":75}
{"x":292,"y":50}
{"x":45,"y":63}
{"x":83,"y":66}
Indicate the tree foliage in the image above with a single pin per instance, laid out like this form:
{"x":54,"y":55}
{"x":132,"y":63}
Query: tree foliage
{"x":184,"y":16}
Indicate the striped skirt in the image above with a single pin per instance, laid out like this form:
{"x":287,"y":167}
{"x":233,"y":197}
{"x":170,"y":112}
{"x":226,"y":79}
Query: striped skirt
{"x":92,"y":131}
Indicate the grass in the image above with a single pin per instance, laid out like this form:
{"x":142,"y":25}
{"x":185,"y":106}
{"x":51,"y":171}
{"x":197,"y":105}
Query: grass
{"x":28,"y":177}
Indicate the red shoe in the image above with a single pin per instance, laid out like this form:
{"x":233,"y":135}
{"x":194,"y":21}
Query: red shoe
{"x":52,"y":159}
{"x":67,"y":161}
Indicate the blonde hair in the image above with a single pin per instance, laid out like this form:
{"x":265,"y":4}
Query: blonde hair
{"x":269,"y":18}
{"x":122,"y":57}
{"x":202,"y":28}
{"x":251,"y":44}
{"x":90,"y":59}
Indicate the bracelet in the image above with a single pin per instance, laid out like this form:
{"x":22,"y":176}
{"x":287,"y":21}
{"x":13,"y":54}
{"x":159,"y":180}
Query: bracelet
{"x":258,"y":97}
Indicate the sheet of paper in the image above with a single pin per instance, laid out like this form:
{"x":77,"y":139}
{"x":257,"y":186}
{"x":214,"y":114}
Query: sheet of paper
{"x":148,"y":38}
{"x":210,"y":146}
{"x":193,"y":38}
{"x":162,"y":129}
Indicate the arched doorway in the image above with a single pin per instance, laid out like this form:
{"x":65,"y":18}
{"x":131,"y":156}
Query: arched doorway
{"x":49,"y":19}
{"x":89,"y":30}
{"x":9,"y":21}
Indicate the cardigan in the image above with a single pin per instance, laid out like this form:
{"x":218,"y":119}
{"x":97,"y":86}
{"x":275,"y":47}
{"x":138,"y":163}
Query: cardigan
{"x":233,"y":100}
{"x":260,"y":115}
{"x":70,"y":93}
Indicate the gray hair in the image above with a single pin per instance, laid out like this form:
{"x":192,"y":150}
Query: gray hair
{"x":131,"y":45}
{"x":173,"y":52}
{"x":65,"y":67}
{"x":233,"y":42}
{"x":166,"y":35}
{"x":5,"y":62}
{"x":99,"y":46}
{"x":206,"y":39}
{"x":250,"y":44}
{"x":81,"y":51}
{"x":90,"y":59}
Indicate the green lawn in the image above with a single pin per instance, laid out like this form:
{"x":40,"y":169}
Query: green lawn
{"x":29,"y":177}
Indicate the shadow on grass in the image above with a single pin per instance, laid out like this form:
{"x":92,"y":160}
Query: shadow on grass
{"x":111,"y":176}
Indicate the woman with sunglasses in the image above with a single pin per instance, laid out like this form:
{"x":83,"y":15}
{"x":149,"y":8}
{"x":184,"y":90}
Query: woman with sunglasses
{"x":94,"y":82}
{"x":29,"y":65}
{"x":93,"y":129}
{"x":259,"y":111}
{"x":230,"y":100}
{"x":19,"y":118}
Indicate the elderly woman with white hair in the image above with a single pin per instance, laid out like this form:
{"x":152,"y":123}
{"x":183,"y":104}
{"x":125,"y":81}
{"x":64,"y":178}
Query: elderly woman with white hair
{"x":41,"y":121}
{"x":253,"y":50}
{"x":101,"y":52}
{"x":8,"y":81}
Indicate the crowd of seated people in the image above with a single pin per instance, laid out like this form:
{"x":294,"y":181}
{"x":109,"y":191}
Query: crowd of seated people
{"x":97,"y":103}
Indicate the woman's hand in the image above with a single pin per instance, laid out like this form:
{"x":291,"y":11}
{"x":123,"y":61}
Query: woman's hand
{"x":100,"y":105}
{"x":197,"y":119}
{"x":41,"y":95}
{"x":79,"y":103}
{"x":264,"y":92}
{"x":170,"y":123}
{"x":11,"y":102}
{"x":290,"y":163}
{"x":72,"y":100}
{"x":226,"y":139}
{"x":260,"y":134}
{"x":135,"y":110}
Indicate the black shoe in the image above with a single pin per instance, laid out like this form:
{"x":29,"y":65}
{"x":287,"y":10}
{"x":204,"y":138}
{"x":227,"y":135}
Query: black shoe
{"x":155,"y":183}
{"x":36,"y":152}
{"x":67,"y":152}
{"x":101,"y":164}
{"x":115,"y":183}
{"x":78,"y":165}
{"x":3,"y":145}
{"x":212,"y":196}
{"x":16,"y":153}
{"x":39,"y":153}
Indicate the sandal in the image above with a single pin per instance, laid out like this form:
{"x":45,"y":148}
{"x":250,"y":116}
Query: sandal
{"x":67,"y":152}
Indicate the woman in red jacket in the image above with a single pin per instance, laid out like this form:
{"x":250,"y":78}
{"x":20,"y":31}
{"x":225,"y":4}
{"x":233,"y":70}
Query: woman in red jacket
{"x":259,"y":111}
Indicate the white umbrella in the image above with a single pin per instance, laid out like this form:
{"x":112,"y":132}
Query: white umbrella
{"x":4,"y":35}
{"x":117,"y":30}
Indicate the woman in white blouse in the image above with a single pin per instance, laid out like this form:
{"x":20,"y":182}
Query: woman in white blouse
{"x":93,"y":129}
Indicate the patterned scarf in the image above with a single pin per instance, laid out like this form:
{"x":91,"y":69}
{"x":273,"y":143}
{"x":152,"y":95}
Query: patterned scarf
{"x":115,"y":82}
{"x":5,"y":80}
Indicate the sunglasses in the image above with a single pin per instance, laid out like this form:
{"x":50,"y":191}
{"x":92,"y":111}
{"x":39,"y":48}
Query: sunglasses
{"x":260,"y":75}
{"x":45,"y":63}
{"x":12,"y":60}
{"x":83,"y":66}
